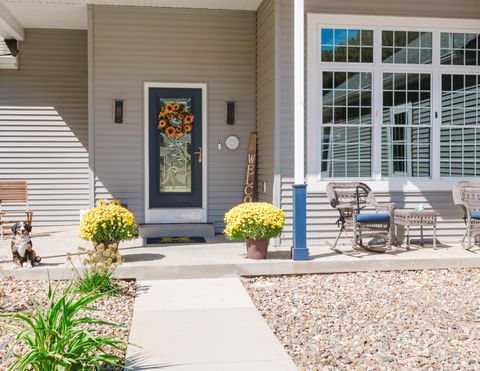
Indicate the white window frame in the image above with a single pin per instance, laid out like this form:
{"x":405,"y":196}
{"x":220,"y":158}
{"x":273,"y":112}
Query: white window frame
{"x":406,"y":108}
{"x":314,"y":92}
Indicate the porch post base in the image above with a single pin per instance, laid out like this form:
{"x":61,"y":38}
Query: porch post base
{"x":300,"y":250}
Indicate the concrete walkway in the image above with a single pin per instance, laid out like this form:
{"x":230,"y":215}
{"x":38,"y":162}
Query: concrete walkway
{"x":220,"y":258}
{"x":201,"y":325}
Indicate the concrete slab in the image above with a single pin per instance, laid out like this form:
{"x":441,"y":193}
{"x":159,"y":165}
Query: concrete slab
{"x":201,"y":331}
{"x":174,"y":295}
{"x":230,"y":366}
{"x":222,"y":258}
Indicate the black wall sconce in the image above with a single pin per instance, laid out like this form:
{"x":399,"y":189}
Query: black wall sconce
{"x":118,"y":108}
{"x":12,"y":46}
{"x":231,"y":108}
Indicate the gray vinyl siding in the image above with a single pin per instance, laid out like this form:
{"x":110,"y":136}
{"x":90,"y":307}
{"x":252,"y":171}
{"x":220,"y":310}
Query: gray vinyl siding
{"x":43,"y":124}
{"x":321,"y":217}
{"x":266,"y":97}
{"x":133,"y":45}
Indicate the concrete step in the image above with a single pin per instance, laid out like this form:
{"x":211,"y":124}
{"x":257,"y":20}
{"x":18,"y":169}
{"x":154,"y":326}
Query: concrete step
{"x":177,"y":230}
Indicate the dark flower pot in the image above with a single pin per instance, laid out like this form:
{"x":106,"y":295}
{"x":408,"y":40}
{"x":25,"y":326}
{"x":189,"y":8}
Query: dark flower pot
{"x":257,"y":249}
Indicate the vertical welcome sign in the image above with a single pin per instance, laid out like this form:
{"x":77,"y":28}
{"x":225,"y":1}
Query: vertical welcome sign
{"x":251,"y":173}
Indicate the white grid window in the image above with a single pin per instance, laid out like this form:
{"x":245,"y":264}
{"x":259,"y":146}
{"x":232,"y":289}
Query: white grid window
{"x":347,"y":45}
{"x":424,"y":119}
{"x":461,"y":49}
{"x":407,"y":47}
{"x":406,"y":125}
{"x":460,"y":132}
{"x":347,"y":120}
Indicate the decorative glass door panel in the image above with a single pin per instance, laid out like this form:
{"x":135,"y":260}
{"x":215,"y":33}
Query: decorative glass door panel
{"x":176,"y":151}
{"x":175,"y":138}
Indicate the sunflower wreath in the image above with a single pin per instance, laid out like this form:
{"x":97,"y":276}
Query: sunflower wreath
{"x":175,"y":120}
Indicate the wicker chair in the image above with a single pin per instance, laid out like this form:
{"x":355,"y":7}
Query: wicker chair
{"x":467,"y":195}
{"x":352,"y":200}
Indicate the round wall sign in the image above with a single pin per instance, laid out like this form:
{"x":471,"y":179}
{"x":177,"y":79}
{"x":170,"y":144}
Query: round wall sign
{"x":232,"y":142}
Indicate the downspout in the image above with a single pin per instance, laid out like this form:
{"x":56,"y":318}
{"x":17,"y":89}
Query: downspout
{"x":277,"y":128}
{"x":91,"y":110}
{"x":277,"y":114}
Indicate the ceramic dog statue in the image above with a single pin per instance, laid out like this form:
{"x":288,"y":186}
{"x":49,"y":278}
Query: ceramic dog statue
{"x":22,"y":247}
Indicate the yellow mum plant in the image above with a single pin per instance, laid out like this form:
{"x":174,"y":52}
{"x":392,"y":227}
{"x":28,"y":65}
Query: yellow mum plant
{"x":254,"y":220}
{"x":109,"y":221}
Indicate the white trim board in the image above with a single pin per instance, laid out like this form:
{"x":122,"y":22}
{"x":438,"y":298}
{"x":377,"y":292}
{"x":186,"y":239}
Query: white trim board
{"x":175,"y":215}
{"x":314,"y":68}
{"x":388,"y":21}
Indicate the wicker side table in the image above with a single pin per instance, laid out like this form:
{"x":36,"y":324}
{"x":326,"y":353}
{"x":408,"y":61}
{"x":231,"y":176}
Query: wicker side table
{"x":412,"y":218}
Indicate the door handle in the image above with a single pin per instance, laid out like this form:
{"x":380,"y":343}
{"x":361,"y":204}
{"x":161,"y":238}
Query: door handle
{"x":198,"y":153}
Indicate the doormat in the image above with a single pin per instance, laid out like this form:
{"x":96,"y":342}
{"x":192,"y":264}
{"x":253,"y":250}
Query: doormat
{"x":173,"y":240}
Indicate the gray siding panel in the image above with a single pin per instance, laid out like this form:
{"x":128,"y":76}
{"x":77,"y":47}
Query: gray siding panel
{"x":43,"y":124}
{"x":133,"y":45}
{"x":266,"y":97}
{"x":321,"y":217}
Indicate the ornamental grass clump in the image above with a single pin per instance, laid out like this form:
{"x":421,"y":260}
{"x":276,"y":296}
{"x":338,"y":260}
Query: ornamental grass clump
{"x":60,"y":337}
{"x":108,"y":222}
{"x":97,"y":268}
{"x":254,"y":220}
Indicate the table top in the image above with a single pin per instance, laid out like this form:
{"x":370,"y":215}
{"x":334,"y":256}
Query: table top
{"x":413,"y":212}
{"x":408,"y":217}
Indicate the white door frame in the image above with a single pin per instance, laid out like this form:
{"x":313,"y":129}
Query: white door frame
{"x":175,"y":215}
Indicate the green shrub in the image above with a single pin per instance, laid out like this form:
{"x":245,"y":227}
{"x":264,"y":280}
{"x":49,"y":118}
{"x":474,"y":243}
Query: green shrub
{"x":59,"y":337}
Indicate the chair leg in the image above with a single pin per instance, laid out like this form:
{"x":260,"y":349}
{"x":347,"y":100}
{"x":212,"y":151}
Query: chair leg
{"x":338,"y":237}
{"x":469,"y":231}
{"x":358,"y":240}
{"x":408,"y":237}
{"x":355,"y":238}
{"x":389,"y":238}
{"x":464,"y":237}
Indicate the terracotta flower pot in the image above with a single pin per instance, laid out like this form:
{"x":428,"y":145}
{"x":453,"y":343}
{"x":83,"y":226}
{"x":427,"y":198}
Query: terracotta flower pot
{"x":106,"y":244}
{"x":257,"y":249}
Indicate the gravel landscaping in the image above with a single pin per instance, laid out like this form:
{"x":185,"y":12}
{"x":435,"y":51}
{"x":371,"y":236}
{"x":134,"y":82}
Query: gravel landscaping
{"x":375,"y":321}
{"x":16,"y":296}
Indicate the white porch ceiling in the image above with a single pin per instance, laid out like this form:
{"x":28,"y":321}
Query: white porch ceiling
{"x":72,"y":14}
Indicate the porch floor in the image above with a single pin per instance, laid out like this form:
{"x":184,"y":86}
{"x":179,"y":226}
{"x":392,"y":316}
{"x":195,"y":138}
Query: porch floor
{"x":219,"y":258}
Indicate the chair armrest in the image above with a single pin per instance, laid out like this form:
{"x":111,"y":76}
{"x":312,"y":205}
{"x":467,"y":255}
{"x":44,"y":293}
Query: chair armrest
{"x":385,"y":206}
{"x":344,"y":207}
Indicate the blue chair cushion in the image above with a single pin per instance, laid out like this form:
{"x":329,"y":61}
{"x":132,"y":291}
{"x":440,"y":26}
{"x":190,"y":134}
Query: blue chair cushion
{"x":373,"y":218}
{"x":475,"y":214}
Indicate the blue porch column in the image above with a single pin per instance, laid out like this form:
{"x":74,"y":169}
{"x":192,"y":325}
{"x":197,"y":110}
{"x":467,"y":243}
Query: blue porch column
{"x":299,"y":248}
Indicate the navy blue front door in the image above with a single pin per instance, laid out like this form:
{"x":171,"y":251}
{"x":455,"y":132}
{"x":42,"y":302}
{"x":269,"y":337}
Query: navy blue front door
{"x":175,"y":147}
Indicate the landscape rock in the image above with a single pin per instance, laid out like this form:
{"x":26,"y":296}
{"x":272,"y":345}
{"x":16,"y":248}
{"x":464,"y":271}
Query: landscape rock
{"x":375,"y":321}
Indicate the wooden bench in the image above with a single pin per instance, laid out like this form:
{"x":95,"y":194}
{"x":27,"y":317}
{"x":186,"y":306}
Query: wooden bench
{"x":14,"y":195}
